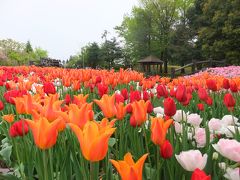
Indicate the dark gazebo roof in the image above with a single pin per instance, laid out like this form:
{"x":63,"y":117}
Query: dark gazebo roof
{"x":151,"y":59}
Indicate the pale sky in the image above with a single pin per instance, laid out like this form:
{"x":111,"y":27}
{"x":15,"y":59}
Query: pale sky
{"x":61,"y":27}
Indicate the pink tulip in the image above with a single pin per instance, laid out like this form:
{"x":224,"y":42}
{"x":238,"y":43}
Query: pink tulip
{"x":192,"y":159}
{"x":229,"y":149}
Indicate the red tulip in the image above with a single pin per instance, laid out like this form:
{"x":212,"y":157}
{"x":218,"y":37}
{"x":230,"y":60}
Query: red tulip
{"x":202,"y":94}
{"x":161,"y":91}
{"x":129,"y":108}
{"x":166,"y":150}
{"x":10,"y":95}
{"x":124,"y":93}
{"x":169,"y":107}
{"x":181,"y":94}
{"x":233,"y":87}
{"x":209,"y":101}
{"x":98,"y":79}
{"x":102,"y":89}
{"x":199,"y":175}
{"x":135,"y":96}
{"x":200,"y":106}
{"x":146,"y":96}
{"x":211,"y":84}
{"x":49,"y":88}
{"x":229,"y":101}
{"x":150,"y":108}
{"x":119,"y":98}
{"x":18,"y":128}
{"x":67,"y":99}
{"x":189,"y":97}
{"x":1,"y":105}
{"x":172,"y":92}
{"x":226,"y":84}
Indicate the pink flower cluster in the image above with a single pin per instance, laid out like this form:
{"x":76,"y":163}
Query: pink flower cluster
{"x":228,"y":72}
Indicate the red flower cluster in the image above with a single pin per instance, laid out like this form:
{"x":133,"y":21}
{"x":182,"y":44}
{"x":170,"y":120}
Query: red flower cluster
{"x":10,"y":95}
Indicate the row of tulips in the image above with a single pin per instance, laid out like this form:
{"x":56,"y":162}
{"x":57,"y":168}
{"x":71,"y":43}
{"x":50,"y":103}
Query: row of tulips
{"x":99,"y":124}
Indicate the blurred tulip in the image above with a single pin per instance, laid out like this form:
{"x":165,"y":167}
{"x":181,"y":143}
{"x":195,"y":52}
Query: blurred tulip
{"x":102,"y":89}
{"x":135,"y":96}
{"x":211,"y":84}
{"x":8,"y":117}
{"x":121,"y":111}
{"x":1,"y":105}
{"x":202,"y":94}
{"x":226,"y":84}
{"x":200,"y":106}
{"x":67,"y":99}
{"x":119,"y":98}
{"x":233,"y":86}
{"x":229,"y":101}
{"x":124,"y":93}
{"x":18,"y":128}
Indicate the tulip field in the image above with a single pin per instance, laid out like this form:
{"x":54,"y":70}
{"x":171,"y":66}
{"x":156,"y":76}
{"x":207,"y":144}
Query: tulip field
{"x":87,"y":124}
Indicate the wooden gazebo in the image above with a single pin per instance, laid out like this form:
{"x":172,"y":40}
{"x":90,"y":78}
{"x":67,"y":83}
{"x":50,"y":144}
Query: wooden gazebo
{"x":151,"y":64}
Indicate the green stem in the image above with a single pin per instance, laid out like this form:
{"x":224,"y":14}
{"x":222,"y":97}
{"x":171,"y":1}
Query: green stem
{"x":45,"y":164}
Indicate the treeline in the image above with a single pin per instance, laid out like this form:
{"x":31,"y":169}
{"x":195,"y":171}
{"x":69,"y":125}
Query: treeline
{"x":177,"y":31}
{"x":17,"y":53}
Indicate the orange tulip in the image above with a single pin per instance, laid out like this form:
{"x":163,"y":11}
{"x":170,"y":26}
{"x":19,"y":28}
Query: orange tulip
{"x":159,"y":129}
{"x":45,"y":133}
{"x":76,"y":85}
{"x":26,"y":104}
{"x":129,"y":170}
{"x":139,"y":112}
{"x":8,"y":117}
{"x":80,"y":99}
{"x":93,"y":139}
{"x":51,"y":109}
{"x":120,"y":111}
{"x":80,"y":116}
{"x":107,"y":105}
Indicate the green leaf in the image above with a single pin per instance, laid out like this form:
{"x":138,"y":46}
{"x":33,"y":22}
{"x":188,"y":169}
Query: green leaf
{"x":6,"y":153}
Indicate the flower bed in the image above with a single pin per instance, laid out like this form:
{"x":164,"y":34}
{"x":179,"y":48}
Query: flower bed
{"x":98,"y":124}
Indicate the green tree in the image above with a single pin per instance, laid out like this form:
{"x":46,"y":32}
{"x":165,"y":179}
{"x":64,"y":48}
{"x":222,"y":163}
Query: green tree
{"x":110,"y":52}
{"x":216,"y":23}
{"x":92,"y":55}
{"x":28,"y":48}
{"x":137,"y":32}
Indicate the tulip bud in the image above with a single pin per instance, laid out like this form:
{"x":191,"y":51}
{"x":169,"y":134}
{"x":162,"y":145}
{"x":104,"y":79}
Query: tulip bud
{"x":166,"y":150}
{"x":1,"y":105}
{"x":200,"y":106}
{"x":229,"y":101}
{"x":169,"y":107}
{"x":215,"y":156}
